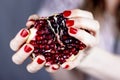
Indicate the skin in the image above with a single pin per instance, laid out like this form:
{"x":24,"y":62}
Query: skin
{"x":83,"y":20}
{"x":111,"y":5}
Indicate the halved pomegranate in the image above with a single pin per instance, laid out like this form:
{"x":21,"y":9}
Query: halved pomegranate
{"x":50,"y":38}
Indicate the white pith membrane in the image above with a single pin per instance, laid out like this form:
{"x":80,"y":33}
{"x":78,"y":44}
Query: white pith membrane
{"x":33,"y":33}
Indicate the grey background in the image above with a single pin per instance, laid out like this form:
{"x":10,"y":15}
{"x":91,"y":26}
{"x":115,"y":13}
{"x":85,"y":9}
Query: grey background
{"x":13,"y":16}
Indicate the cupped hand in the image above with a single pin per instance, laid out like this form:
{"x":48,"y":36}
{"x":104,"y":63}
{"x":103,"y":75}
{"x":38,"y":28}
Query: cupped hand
{"x":23,"y":50}
{"x":81,"y":25}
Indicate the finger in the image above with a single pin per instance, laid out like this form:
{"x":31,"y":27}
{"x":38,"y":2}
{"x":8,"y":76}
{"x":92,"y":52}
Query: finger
{"x":77,"y":13}
{"x":84,"y":23}
{"x":72,"y":64}
{"x":31,"y":19}
{"x":22,"y":54}
{"x":52,"y":68}
{"x":83,"y":36}
{"x":37,"y":64}
{"x":19,"y":39}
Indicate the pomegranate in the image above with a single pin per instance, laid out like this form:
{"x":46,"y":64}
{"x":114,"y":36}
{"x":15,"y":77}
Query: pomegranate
{"x":50,"y":38}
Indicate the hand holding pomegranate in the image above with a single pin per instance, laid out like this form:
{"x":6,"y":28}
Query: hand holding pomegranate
{"x":55,"y":41}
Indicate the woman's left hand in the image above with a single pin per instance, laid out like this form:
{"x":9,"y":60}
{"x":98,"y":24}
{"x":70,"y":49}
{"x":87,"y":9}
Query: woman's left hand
{"x":81,"y":25}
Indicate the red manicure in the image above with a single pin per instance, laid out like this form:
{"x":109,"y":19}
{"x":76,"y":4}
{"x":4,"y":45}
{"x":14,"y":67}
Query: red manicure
{"x":27,"y":49}
{"x":67,"y":66}
{"x":66,"y":13}
{"x":69,"y":23}
{"x":40,"y":61}
{"x":24,"y":33}
{"x":73,"y":30}
{"x":54,"y":68}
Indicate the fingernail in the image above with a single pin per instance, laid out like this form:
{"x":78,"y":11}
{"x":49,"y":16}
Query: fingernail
{"x":67,"y":66}
{"x":73,"y":30}
{"x":24,"y":33}
{"x":40,"y":61}
{"x":69,"y":23}
{"x":66,"y":13}
{"x":27,"y":49}
{"x":54,"y":68}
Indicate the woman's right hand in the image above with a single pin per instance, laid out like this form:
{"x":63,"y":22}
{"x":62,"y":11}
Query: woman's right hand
{"x":23,"y":50}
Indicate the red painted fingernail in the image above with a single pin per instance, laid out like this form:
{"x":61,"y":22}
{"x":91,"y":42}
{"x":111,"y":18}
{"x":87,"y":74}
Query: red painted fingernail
{"x":40,"y":61}
{"x":66,"y":13}
{"x":27,"y":49}
{"x":54,"y":68}
{"x":24,"y":33}
{"x":73,"y":30}
{"x":69,"y":23}
{"x":67,"y":66}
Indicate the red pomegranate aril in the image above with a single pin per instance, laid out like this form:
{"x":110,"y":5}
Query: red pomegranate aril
{"x":75,"y":52}
{"x":38,"y":26}
{"x":49,"y":37}
{"x":52,"y":45}
{"x":32,"y":42}
{"x":52,"y":51}
{"x":82,"y":47}
{"x":53,"y":41}
{"x":45,"y":41}
{"x":56,"y":61}
{"x":59,"y":48}
{"x":48,"y":58}
{"x":51,"y":61}
{"x":64,"y":37}
{"x":66,"y":51}
{"x":73,"y":49}
{"x":64,"y":57}
{"x":41,"y":46}
{"x":69,"y":46}
{"x":67,"y":56}
{"x":39,"y":32}
{"x":39,"y":42}
{"x":62,"y":60}
{"x":38,"y":38}
{"x":48,"y":54}
{"x":47,"y":47}
{"x":56,"y":55}
{"x":49,"y":42}
{"x":36,"y":50}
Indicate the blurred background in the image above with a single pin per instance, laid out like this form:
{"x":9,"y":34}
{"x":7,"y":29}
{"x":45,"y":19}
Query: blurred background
{"x":14,"y":14}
